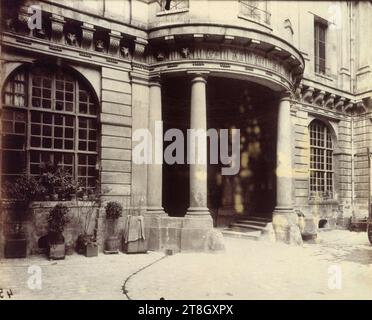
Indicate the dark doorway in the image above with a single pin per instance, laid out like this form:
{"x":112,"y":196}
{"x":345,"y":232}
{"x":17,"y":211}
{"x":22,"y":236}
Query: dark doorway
{"x":252,"y":109}
{"x":176,"y":114}
{"x":230,"y":104}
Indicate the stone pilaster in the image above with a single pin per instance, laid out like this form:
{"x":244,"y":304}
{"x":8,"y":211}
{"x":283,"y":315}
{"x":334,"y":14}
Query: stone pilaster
{"x":284,"y":217}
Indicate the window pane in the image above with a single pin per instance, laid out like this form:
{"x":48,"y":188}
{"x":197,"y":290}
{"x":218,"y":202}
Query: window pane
{"x":321,"y":160}
{"x":13,"y":162}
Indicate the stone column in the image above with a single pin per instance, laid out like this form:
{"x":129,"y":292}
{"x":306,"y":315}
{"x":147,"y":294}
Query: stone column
{"x":284,"y":217}
{"x":197,"y":223}
{"x":155,"y":169}
{"x":198,"y":169}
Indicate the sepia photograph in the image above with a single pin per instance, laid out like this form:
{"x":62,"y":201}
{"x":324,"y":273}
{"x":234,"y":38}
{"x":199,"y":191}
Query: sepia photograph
{"x":188,"y":150}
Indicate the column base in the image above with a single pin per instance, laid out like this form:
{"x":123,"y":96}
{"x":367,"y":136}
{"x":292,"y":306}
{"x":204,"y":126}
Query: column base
{"x":186,"y":234}
{"x":156,"y":211}
{"x":286,"y":227}
{"x":195,"y":233}
{"x":198,"y":212}
{"x":163,"y":232}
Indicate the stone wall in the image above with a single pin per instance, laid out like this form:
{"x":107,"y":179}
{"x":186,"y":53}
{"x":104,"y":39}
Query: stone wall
{"x":116,"y":122}
{"x":361,"y":141}
{"x":336,"y":211}
{"x":35,"y":224}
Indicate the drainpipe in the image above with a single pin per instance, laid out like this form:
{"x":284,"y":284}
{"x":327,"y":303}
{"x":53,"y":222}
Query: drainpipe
{"x":130,"y":11}
{"x":369,"y":183}
{"x":352,"y":167}
{"x":351,"y":53}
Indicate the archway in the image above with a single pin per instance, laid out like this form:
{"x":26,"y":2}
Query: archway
{"x":231,"y":103}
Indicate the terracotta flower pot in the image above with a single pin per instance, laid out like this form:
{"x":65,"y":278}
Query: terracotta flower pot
{"x":56,"y":246}
{"x":91,"y":250}
{"x":15,"y":248}
{"x":113,"y":243}
{"x":57,"y":251}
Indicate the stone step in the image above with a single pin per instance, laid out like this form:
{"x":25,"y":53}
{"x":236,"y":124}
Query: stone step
{"x":252,"y":235}
{"x":256,"y":223}
{"x":256,"y":218}
{"x":248,"y":226}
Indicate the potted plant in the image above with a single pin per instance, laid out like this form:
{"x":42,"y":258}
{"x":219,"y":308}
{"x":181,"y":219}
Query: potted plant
{"x":19,"y":193}
{"x":57,"y":220}
{"x":91,"y":195}
{"x":85,"y":195}
{"x":87,"y":241}
{"x":49,"y":179}
{"x":70,"y":187}
{"x":58,"y":182}
{"x":114,"y":211}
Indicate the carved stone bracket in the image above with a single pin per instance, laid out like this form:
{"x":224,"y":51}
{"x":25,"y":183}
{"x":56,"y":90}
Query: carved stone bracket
{"x":298,"y":92}
{"x":355,"y":107}
{"x":57,"y":23}
{"x":139,"y":48}
{"x":87,"y":36}
{"x":329,"y":101}
{"x":319,"y":98}
{"x":308,"y":95}
{"x":339,"y":105}
{"x":115,"y":38}
{"x":360,"y":106}
{"x":348,"y":107}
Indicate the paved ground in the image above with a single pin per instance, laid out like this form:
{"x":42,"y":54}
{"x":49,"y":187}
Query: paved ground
{"x":246,"y":270}
{"x":76,"y":277}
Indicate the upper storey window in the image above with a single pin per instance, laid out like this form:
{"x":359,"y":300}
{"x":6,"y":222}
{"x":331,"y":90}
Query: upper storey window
{"x":320,"y":31}
{"x":255,"y":10}
{"x":174,"y":5}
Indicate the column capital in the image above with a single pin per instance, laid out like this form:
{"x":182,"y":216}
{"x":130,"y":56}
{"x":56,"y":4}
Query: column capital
{"x":155,"y":80}
{"x":285,"y":95}
{"x":198,"y":75}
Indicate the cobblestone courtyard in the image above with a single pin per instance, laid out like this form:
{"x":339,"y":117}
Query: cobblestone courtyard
{"x":246,"y":270}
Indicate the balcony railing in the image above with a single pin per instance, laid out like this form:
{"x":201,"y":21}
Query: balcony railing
{"x":250,"y":10}
{"x":174,"y":5}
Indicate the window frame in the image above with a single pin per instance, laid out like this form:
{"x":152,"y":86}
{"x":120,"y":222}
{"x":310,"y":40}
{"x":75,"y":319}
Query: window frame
{"x":174,"y":8}
{"x":92,"y":104}
{"x":320,"y":63}
{"x":323,"y":157}
{"x":257,"y":11}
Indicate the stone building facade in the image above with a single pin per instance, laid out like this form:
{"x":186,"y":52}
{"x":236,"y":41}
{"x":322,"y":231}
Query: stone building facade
{"x":294,"y":77}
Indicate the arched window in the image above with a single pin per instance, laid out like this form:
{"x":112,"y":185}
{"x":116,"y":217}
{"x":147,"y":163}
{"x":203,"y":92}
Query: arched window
{"x":48,"y":116}
{"x":321,"y":161}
